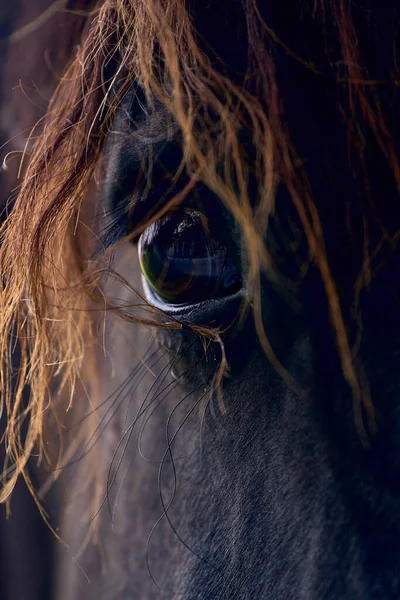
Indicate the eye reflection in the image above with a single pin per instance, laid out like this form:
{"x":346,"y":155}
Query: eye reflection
{"x":182,"y":261}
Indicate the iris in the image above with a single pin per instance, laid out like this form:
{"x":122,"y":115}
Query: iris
{"x":183,"y":262}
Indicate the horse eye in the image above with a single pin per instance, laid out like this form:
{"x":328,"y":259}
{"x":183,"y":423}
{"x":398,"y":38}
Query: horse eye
{"x":183,"y":262}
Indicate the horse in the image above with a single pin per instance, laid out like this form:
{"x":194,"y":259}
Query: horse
{"x":199,"y":273}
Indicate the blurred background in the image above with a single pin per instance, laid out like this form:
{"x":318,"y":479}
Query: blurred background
{"x":37,"y":39}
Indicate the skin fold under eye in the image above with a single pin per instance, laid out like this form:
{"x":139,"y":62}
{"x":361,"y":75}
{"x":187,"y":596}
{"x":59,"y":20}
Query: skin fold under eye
{"x":183,"y":262}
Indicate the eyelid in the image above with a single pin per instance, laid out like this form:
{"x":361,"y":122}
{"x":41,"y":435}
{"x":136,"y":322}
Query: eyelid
{"x":145,"y":212}
{"x":143,"y":176}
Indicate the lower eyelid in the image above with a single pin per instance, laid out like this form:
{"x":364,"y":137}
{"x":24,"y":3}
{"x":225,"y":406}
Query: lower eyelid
{"x":217,"y":311}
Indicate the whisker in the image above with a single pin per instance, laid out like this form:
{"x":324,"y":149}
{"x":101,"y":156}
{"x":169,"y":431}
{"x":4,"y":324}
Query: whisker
{"x":165,"y":506}
{"x":122,"y":391}
{"x":128,"y":433}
